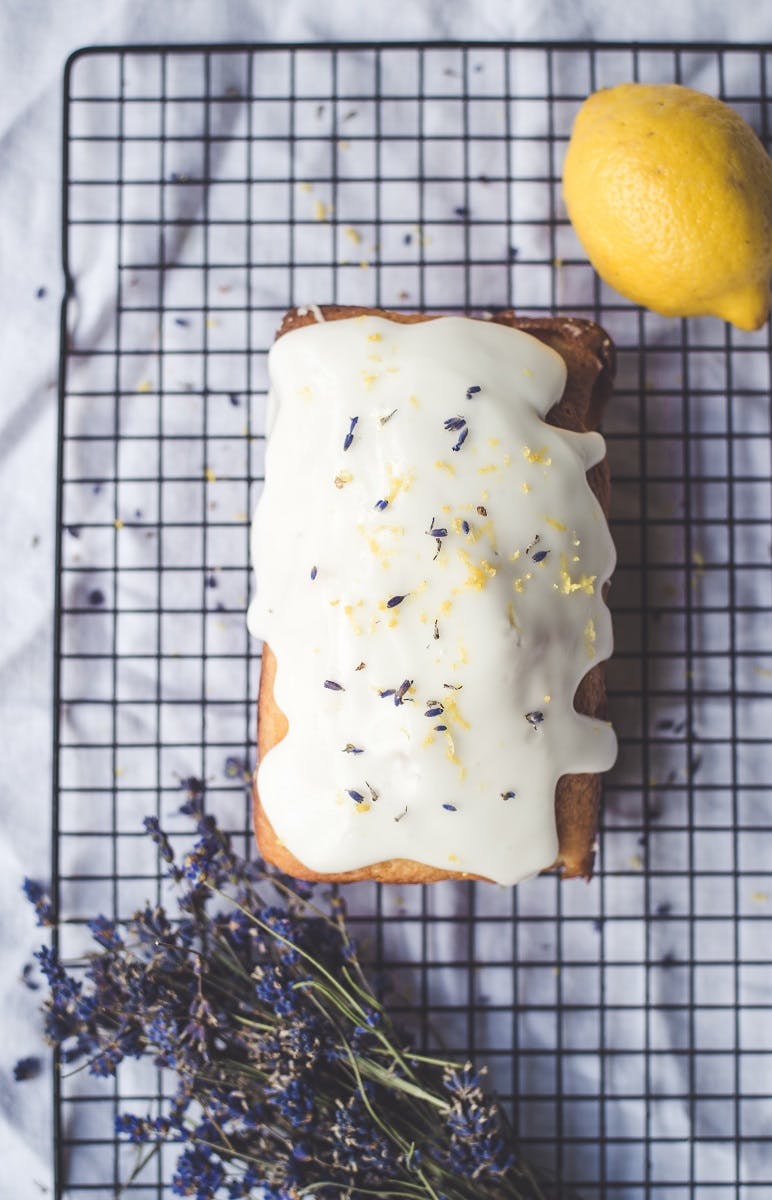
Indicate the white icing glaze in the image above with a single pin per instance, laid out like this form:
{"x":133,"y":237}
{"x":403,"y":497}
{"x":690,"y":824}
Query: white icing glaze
{"x":517,"y":628}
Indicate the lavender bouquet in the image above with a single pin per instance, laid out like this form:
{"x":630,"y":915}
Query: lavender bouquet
{"x":290,"y":1078}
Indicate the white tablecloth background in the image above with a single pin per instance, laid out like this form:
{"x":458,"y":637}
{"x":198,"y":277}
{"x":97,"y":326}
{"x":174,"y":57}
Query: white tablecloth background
{"x":35,"y":38}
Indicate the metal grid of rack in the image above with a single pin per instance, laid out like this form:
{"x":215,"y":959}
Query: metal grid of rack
{"x":206,"y":190}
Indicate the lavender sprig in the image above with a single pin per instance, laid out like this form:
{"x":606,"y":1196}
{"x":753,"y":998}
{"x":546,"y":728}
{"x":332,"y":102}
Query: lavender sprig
{"x":291,"y":1078}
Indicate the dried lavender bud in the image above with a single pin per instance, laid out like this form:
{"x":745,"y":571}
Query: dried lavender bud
{"x":236,"y":768}
{"x":350,"y":435}
{"x":26,"y":1068}
{"x":40,"y":900}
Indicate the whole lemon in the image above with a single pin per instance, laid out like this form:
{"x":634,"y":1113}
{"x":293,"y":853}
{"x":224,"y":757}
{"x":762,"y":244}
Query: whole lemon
{"x":670,"y":193}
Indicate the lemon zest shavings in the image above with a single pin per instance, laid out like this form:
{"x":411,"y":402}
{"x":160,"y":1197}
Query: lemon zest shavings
{"x":567,"y":585}
{"x":539,"y":457}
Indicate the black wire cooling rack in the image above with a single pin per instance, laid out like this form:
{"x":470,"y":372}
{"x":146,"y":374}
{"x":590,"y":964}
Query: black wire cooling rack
{"x":207,"y":189}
